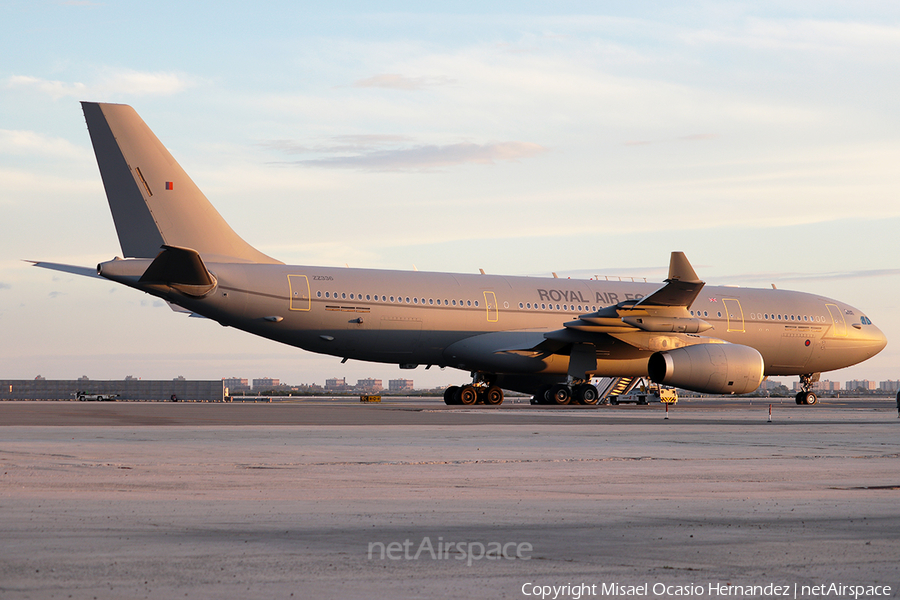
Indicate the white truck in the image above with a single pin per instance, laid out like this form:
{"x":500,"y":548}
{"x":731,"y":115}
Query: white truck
{"x":83,"y":396}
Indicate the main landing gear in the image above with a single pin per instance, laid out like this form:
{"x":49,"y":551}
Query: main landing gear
{"x":807,"y":396}
{"x":480,"y":391}
{"x":577,"y":392}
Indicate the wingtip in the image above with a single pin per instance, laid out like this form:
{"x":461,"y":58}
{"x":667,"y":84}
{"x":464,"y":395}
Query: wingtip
{"x":680,"y":269}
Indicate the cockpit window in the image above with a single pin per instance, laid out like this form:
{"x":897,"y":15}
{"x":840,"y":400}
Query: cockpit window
{"x":865,"y":321}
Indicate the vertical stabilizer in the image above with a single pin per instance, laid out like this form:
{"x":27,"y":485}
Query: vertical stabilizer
{"x":152,"y":199}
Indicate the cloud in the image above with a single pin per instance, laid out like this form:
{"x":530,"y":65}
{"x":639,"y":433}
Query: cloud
{"x":428,"y":157}
{"x":696,"y":137}
{"x":5,"y":286}
{"x":823,"y":276}
{"x":109,"y":82}
{"x":395,"y":81}
{"x":55,"y":89}
{"x":29,"y":142}
{"x":339,"y":143}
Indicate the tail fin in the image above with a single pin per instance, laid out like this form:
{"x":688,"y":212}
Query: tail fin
{"x":153,"y":201}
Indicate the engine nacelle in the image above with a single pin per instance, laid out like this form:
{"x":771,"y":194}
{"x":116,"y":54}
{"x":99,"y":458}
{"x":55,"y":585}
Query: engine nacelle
{"x":709,"y":368}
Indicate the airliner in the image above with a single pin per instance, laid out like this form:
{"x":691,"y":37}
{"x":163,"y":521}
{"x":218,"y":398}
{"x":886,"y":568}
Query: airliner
{"x":543,"y":336}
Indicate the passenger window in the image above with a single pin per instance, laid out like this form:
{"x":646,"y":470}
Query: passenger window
{"x":520,"y":305}
{"x":318,"y":294}
{"x":326,"y":294}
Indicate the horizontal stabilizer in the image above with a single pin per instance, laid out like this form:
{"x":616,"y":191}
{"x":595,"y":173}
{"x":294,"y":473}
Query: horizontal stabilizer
{"x":184,"y":311}
{"x":85,"y":271}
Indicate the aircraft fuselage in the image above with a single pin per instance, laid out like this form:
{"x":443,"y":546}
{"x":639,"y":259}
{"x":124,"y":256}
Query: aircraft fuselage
{"x":380,"y":316}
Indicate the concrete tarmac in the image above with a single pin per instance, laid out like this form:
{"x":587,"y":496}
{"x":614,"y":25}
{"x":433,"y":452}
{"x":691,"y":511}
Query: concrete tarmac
{"x":412,"y":499}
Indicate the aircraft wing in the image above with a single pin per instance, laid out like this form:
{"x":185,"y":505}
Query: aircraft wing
{"x":682,"y":285}
{"x":660,"y":321}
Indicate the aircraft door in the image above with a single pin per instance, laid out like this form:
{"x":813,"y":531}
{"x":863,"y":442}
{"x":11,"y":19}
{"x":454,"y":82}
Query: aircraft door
{"x":735,"y":314}
{"x":837,"y":317}
{"x":298,"y":286}
{"x":490,"y":303}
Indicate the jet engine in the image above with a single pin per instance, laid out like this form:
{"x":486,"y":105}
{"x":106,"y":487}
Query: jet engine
{"x":709,"y":368}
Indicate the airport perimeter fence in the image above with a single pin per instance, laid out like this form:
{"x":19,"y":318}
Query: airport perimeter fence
{"x":128,"y":390}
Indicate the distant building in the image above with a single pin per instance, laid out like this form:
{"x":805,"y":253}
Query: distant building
{"x":770,"y":385}
{"x":369,"y":385}
{"x":236,"y":384}
{"x":400,"y":385}
{"x":820,"y":386}
{"x":889,"y":386}
{"x":856,"y":384}
{"x":265,"y":383}
{"x":39,"y":378}
{"x":337,"y":385}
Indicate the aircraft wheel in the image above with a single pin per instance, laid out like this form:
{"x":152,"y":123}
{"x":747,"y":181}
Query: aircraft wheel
{"x":560,"y":395}
{"x":810,"y":398}
{"x":493,"y":396}
{"x":540,"y":396}
{"x":588,"y":394}
{"x":450,"y":394}
{"x":468,"y":395}
{"x":799,"y":398}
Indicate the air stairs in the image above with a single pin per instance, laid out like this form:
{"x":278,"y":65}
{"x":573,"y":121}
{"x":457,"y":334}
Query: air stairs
{"x":615,"y":386}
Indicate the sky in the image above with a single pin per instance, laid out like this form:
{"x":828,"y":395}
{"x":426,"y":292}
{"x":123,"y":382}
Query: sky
{"x":585,"y":138}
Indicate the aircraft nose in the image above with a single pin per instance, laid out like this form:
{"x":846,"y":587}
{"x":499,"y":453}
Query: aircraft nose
{"x":874,"y":339}
{"x":879,"y":340}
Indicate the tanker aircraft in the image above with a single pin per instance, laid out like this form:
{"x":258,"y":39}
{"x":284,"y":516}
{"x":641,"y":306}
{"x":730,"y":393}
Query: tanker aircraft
{"x":542,"y":336}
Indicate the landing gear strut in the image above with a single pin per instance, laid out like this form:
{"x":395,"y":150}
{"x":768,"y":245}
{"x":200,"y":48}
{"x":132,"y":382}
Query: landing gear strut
{"x":481,"y":391}
{"x":806,"y":396}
